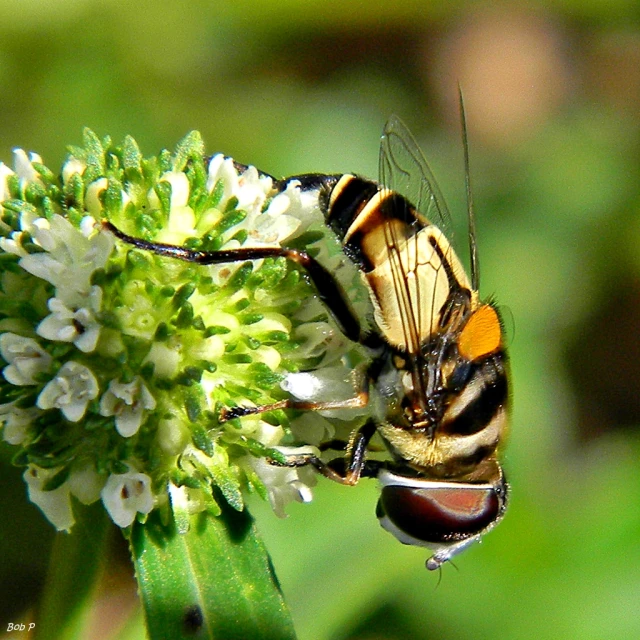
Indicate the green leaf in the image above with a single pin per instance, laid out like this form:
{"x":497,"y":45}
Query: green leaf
{"x":214,"y":581}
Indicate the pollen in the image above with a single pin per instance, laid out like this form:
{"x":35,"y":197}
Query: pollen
{"x":481,"y":335}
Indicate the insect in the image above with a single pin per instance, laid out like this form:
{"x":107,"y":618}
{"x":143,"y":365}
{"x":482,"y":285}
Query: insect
{"x":438,"y":362}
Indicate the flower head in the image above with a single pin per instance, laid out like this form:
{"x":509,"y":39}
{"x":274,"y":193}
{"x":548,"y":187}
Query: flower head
{"x":117,"y":361}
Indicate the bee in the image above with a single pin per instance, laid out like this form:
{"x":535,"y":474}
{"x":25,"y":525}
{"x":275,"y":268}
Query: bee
{"x":438,"y":365}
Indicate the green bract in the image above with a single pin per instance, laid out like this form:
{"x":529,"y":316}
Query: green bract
{"x":117,"y":361}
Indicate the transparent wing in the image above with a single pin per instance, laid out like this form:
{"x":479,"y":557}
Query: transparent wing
{"x":420,"y":281}
{"x":417,"y":277}
{"x":403,"y":168}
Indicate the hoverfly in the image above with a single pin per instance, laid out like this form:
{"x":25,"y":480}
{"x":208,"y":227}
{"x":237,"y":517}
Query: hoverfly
{"x":438,"y":362}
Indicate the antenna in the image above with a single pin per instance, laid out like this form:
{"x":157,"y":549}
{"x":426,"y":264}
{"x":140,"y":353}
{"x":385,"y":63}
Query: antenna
{"x":473,"y":245}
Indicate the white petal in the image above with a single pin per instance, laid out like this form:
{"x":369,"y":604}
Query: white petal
{"x":5,"y":172}
{"x":74,"y":410}
{"x":88,"y":226}
{"x":56,"y":327}
{"x":108,"y":404}
{"x":221,"y":168}
{"x":12,"y":245}
{"x":286,"y":484}
{"x":128,"y":421}
{"x":56,"y":504}
{"x":147,"y":400}
{"x":23,"y":166}
{"x":86,"y":484}
{"x":88,"y":340}
{"x":71,"y":167}
{"x":16,"y":421}
{"x":92,"y":196}
{"x":179,"y":187}
{"x":43,"y":266}
{"x":25,"y":356}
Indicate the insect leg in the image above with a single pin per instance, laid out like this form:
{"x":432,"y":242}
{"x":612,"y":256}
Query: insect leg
{"x":329,"y":290}
{"x":359,"y":400}
{"x":354,"y":464}
{"x":334,"y":445}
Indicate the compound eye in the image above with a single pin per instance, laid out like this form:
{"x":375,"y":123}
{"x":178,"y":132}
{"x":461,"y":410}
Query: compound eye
{"x":441,"y":514}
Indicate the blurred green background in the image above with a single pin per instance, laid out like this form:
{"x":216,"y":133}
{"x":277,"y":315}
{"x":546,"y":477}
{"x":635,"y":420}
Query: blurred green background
{"x":553,"y":98}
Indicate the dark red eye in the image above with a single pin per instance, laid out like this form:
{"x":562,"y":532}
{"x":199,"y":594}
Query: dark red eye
{"x":441,"y":514}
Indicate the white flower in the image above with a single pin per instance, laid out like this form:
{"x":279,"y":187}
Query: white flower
{"x":288,"y":202}
{"x":312,"y":428}
{"x":71,"y":167}
{"x":221,"y":168}
{"x":326,"y":384}
{"x":5,"y":172}
{"x":16,"y":422}
{"x":285,"y":484}
{"x":69,"y":259}
{"x":24,"y":167}
{"x":26,"y":359}
{"x":179,"y":187}
{"x":127,"y":402}
{"x":126,"y":494}
{"x":84,"y":484}
{"x":275,"y":224}
{"x":316,"y":339}
{"x":250,"y":188}
{"x":12,"y":244}
{"x":70,"y":391}
{"x":75,"y":324}
{"x":92,"y":196}
{"x":182,"y":218}
{"x":29,"y":222}
{"x":56,"y":504}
